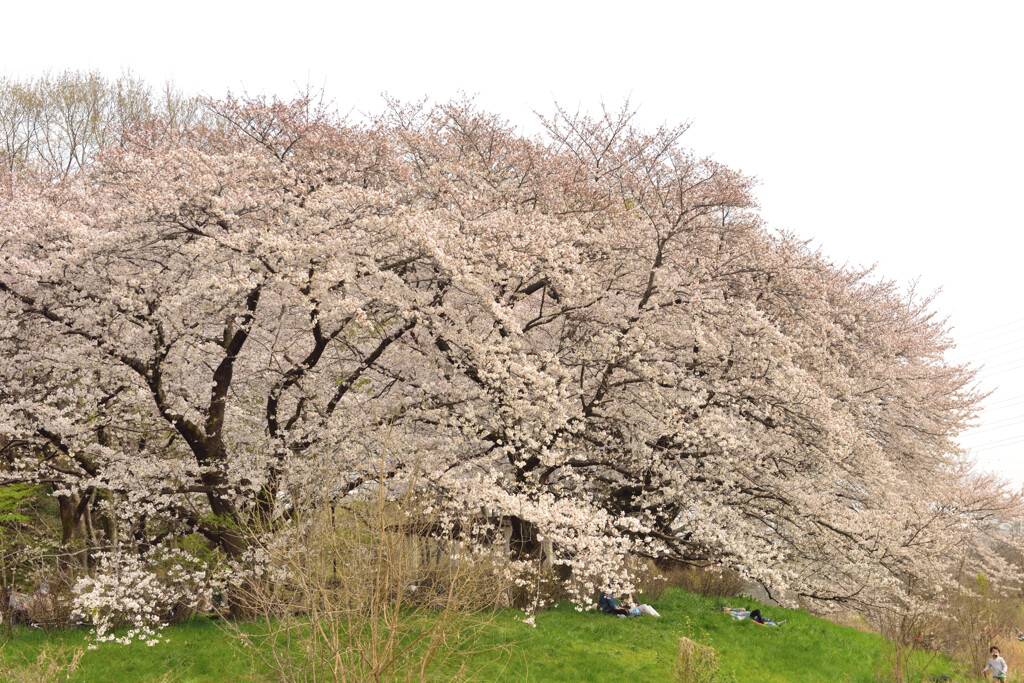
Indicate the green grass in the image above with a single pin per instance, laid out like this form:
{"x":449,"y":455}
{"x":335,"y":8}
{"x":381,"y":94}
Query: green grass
{"x":565,"y":646}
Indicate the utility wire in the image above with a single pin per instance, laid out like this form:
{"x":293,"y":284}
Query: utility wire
{"x":1002,"y":424}
{"x":981,"y":359}
{"x":995,"y":445}
{"x":1011,"y":323}
{"x":984,"y":372}
{"x":1016,"y":342}
{"x":1013,"y":400}
{"x":1013,"y":418}
{"x":1004,"y":363}
{"x":988,"y":340}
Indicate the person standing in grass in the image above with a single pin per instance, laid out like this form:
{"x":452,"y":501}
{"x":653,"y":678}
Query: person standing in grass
{"x":997,"y":664}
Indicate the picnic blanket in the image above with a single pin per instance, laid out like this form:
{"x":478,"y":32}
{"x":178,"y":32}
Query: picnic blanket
{"x":738,"y":613}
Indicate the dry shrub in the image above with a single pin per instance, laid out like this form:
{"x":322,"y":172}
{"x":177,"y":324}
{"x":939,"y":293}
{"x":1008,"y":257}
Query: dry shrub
{"x":904,"y":634}
{"x":541,"y":586}
{"x":651,"y":581}
{"x":377,"y":590}
{"x":975,"y":620}
{"x":48,"y":606}
{"x":51,"y":603}
{"x":962,"y":623}
{"x":695,"y":662}
{"x":706,"y":581}
{"x":851,"y":620}
{"x":51,"y":664}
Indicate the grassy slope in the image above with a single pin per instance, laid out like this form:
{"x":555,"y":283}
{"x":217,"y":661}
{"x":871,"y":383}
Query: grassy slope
{"x":565,"y":646}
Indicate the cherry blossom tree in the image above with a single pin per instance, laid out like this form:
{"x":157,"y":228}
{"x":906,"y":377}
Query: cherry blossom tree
{"x":589,"y":336}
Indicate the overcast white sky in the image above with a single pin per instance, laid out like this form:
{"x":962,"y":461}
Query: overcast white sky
{"x":886,"y":132}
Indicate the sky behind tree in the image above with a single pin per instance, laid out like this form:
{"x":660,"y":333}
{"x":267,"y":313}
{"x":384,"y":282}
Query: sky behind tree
{"x":885,"y":133}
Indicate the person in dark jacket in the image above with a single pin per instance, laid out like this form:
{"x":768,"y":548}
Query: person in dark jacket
{"x":608,"y":605}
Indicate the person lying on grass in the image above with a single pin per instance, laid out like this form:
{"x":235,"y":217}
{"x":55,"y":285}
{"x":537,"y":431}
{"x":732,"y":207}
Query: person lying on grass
{"x":755,"y":616}
{"x":607,"y":604}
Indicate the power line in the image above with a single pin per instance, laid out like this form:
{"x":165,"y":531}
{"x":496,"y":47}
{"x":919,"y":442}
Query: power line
{"x":986,"y":425}
{"x":1003,"y":363}
{"x":985,"y":345}
{"x":988,"y":410}
{"x":1002,"y":371}
{"x":977,"y":358}
{"x":1015,"y":342}
{"x":997,"y":444}
{"x":1018,"y":322}
{"x":995,"y":426}
{"x":960,"y":346}
{"x":1006,"y":399}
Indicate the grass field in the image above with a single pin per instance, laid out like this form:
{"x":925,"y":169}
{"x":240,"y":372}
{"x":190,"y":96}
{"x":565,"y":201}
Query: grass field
{"x":565,"y":646}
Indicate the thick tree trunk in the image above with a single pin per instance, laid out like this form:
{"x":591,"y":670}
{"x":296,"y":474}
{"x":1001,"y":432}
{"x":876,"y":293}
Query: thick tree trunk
{"x":67,"y":507}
